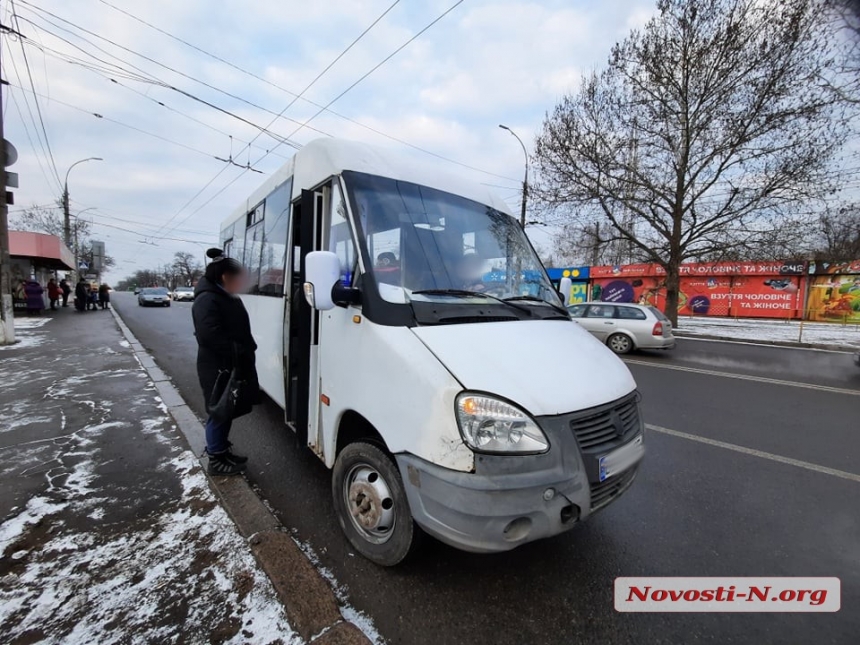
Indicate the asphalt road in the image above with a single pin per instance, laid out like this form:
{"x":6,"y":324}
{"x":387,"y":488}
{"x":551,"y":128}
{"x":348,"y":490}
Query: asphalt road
{"x":696,"y":509}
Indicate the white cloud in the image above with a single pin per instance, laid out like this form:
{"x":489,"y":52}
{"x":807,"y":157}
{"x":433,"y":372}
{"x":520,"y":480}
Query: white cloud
{"x":485,"y":63}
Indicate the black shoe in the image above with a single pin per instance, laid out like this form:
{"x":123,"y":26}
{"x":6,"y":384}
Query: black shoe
{"x":239,"y":459}
{"x":222,"y":465}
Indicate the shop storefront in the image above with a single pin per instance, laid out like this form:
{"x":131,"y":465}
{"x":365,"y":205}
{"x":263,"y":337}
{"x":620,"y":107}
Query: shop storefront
{"x":834,"y":292}
{"x":579,"y":281}
{"x":741,"y":289}
{"x":37,"y":256}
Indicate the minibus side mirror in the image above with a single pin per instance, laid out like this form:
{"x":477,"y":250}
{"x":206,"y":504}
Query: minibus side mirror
{"x":322,"y":272}
{"x":564,"y":288}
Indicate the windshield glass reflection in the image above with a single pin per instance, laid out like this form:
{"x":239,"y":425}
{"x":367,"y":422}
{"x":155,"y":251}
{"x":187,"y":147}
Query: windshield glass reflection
{"x":425,"y":244}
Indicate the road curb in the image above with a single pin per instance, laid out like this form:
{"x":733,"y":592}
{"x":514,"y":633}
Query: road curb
{"x":767,"y":343}
{"x":310,"y":603}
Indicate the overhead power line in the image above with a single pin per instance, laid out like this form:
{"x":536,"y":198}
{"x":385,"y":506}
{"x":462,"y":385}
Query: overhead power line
{"x":281,"y":114}
{"x":344,"y":92}
{"x":102,"y":117}
{"x":270,"y":83}
{"x":35,"y":100}
{"x":275,"y":137}
{"x":372,"y":70}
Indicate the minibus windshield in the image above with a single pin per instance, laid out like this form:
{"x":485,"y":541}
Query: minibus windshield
{"x":428,"y":245}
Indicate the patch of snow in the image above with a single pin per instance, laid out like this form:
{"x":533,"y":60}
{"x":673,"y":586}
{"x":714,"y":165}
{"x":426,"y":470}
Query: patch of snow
{"x":772,"y":330}
{"x":363,"y":622}
{"x":124,"y":343}
{"x":14,"y":422}
{"x":25,"y":341}
{"x":81,"y":580}
{"x":31,"y":323}
{"x":350,"y":613}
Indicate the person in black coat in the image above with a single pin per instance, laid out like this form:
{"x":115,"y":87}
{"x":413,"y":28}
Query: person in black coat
{"x":224,"y":342}
{"x":82,"y":295}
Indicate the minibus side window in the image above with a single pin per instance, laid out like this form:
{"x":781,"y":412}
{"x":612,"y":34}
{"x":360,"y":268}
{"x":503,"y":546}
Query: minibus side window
{"x":254,"y":248}
{"x":340,"y":238}
{"x":277,"y":224}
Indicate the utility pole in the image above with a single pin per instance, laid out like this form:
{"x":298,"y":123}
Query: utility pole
{"x":7,"y":322}
{"x":525,"y":177}
{"x":67,"y":216}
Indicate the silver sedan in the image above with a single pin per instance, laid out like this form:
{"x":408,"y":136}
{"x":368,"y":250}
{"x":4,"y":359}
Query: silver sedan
{"x":625,"y":327}
{"x":155,"y":296}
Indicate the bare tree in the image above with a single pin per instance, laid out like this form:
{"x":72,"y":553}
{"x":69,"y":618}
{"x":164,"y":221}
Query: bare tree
{"x":838,"y":238}
{"x":704,"y":130}
{"x":187,"y":268}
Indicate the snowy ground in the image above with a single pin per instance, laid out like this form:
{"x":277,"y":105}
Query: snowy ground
{"x":773,"y":330}
{"x":28,"y":332}
{"x":109,"y":532}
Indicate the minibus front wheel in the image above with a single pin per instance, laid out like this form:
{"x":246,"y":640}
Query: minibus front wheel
{"x":371,"y":505}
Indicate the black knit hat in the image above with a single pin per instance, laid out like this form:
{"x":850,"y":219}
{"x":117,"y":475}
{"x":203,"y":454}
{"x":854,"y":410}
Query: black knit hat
{"x":221,"y":265}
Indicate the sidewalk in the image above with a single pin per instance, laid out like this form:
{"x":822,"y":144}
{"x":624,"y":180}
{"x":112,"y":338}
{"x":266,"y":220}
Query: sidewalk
{"x":109,"y":531}
{"x":833,"y":336}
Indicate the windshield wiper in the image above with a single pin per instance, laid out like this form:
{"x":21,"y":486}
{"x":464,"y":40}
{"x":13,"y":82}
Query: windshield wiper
{"x":463,"y":293}
{"x":558,"y":308}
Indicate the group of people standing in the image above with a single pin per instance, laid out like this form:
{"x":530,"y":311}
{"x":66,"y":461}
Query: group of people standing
{"x":87,"y":296}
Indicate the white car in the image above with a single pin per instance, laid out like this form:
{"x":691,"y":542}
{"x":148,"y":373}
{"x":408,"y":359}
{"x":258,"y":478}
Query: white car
{"x":183,"y":293}
{"x":625,"y":327}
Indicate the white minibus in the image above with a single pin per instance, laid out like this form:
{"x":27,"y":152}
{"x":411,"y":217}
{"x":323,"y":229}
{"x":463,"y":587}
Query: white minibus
{"x":410,"y":333}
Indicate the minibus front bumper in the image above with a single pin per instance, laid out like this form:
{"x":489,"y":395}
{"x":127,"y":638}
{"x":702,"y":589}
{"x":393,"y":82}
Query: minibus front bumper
{"x":511,"y":499}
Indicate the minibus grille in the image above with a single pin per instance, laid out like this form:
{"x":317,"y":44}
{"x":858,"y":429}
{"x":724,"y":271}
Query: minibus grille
{"x":600,"y":428}
{"x":605,"y":491}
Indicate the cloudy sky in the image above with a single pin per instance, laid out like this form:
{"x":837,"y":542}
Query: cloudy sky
{"x":484,"y":63}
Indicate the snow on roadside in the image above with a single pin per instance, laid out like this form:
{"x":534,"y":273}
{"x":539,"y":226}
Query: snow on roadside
{"x":25,"y":336}
{"x":773,"y":330}
{"x":182,"y":571}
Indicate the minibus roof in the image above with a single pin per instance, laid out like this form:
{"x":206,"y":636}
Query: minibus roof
{"x":323,"y":158}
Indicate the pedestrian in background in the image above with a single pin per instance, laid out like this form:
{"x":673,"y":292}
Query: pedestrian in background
{"x":224,"y":345}
{"x":54,"y":293}
{"x":82,"y":295}
{"x":35,"y":297}
{"x":104,"y":296}
{"x":66,"y":289}
{"x":93,"y":302}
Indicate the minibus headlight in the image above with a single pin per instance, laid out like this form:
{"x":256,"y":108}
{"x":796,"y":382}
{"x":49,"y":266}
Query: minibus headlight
{"x":491,"y":425}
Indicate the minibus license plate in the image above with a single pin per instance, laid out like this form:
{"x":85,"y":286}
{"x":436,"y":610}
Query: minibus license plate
{"x":621,"y":459}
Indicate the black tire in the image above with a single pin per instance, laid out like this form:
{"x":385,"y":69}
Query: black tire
{"x":385,"y":545}
{"x":166,"y":304}
{"x":620,"y":343}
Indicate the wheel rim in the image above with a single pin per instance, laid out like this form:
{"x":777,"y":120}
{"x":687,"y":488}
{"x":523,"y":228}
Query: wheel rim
{"x":370,"y":503}
{"x":619,"y":344}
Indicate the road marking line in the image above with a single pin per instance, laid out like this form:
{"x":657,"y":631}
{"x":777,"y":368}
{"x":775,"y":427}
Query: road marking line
{"x":745,"y":377}
{"x":763,"y":344}
{"x":756,"y":453}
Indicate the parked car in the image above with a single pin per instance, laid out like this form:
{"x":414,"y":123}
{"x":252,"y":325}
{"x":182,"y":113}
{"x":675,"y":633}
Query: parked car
{"x":625,"y":327}
{"x":183,"y":293}
{"x":136,"y":291}
{"x":157,"y":296}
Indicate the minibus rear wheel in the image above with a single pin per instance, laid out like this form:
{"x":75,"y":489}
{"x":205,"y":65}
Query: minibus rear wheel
{"x":371,"y":505}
